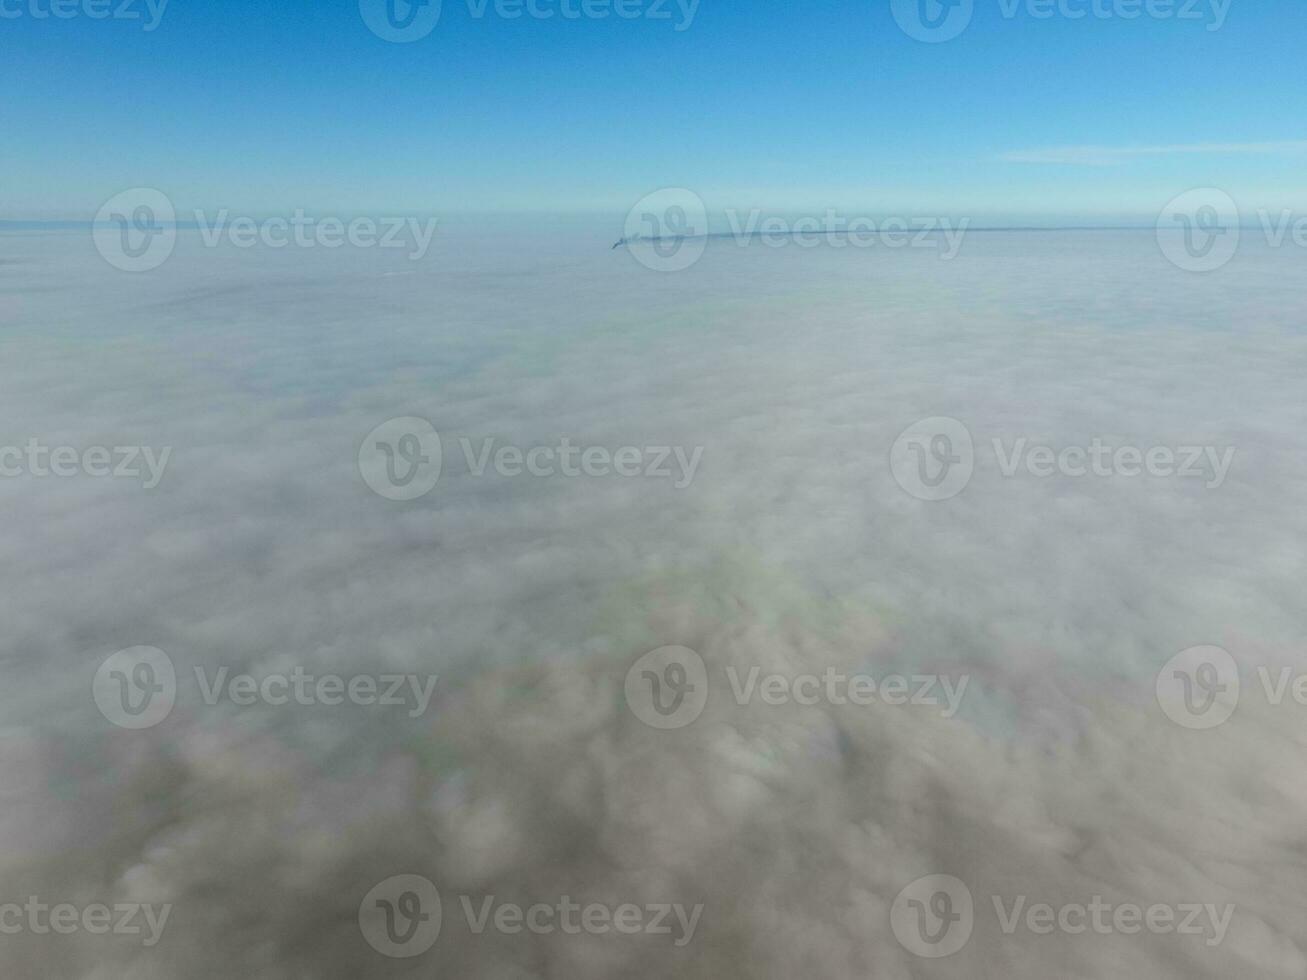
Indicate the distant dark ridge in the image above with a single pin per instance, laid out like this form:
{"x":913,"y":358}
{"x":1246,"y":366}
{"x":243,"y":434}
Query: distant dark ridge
{"x":656,"y":239}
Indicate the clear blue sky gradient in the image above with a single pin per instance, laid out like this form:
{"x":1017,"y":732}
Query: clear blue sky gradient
{"x":263,"y":107}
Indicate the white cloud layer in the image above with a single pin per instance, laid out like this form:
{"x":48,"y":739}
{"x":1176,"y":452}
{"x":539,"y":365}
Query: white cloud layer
{"x":794,"y":548}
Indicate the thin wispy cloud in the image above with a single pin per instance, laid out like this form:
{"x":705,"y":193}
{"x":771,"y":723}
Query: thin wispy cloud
{"x":1110,"y":156}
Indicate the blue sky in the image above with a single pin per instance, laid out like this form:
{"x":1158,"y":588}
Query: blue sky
{"x":265,"y":107}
